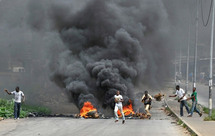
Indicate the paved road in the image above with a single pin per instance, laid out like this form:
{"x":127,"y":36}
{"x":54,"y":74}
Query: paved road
{"x":159,"y":125}
{"x":203,"y":93}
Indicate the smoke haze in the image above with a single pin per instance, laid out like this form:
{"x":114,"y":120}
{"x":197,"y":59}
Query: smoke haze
{"x":89,"y":48}
{"x":109,"y":46}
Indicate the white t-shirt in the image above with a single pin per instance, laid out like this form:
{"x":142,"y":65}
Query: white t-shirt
{"x":118,"y":97}
{"x":18,"y":96}
{"x":180,"y":93}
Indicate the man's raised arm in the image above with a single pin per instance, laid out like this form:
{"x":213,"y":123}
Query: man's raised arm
{"x":7,"y":91}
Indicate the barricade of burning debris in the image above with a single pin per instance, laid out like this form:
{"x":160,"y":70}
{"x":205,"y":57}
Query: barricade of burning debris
{"x":141,"y":115}
{"x":35,"y":114}
{"x":88,"y":111}
{"x":90,"y":114}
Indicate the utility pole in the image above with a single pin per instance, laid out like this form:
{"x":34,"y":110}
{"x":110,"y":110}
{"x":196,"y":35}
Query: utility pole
{"x":179,"y":70}
{"x":188,"y":59}
{"x":176,"y":67}
{"x":211,"y":64}
{"x":196,"y":43}
{"x":175,"y":74}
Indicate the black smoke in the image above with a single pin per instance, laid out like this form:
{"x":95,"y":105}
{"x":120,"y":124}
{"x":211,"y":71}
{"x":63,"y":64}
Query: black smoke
{"x":110,"y":45}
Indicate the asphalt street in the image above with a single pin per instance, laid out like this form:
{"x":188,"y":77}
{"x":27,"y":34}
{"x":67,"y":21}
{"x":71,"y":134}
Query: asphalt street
{"x":159,"y":125}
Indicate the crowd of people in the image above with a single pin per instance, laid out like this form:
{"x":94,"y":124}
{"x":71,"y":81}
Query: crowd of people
{"x":146,"y":100}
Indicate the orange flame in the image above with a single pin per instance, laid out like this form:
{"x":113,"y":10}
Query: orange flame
{"x":88,"y":107}
{"x":127,"y":110}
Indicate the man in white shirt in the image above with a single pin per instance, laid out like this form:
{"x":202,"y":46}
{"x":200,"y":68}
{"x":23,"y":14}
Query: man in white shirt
{"x":182,"y":99}
{"x":19,"y":95}
{"x":118,"y":105}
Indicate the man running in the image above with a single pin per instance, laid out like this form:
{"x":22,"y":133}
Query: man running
{"x":19,"y":95}
{"x":118,"y":105}
{"x":147,"y":100}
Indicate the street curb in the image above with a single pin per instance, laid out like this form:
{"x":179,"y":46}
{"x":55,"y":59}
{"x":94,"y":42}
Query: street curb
{"x":186,"y":123}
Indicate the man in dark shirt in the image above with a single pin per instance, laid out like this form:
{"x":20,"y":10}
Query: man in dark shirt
{"x":147,"y":99}
{"x":194,"y":103}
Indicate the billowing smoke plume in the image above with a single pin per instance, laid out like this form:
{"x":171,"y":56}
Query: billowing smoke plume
{"x":110,"y":45}
{"x":94,"y":47}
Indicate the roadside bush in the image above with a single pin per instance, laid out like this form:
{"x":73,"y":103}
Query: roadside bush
{"x":7,"y":109}
{"x":212,"y":118}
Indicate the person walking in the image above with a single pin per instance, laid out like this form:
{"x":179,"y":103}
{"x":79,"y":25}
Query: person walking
{"x":19,"y":96}
{"x":118,"y":106}
{"x":182,"y":99}
{"x":194,"y":103}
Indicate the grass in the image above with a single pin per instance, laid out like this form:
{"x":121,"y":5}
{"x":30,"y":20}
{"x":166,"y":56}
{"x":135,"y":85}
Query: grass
{"x":212,"y":117}
{"x":180,"y":122}
{"x":7,"y":109}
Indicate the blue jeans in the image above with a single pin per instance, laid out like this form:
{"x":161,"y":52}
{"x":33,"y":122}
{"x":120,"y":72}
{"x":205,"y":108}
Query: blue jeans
{"x":17,"y":110}
{"x":182,"y":104}
{"x":194,"y":108}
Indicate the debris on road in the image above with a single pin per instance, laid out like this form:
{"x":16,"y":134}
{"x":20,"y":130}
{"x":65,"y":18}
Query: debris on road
{"x":88,"y":111}
{"x":159,"y":96}
{"x":93,"y":114}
